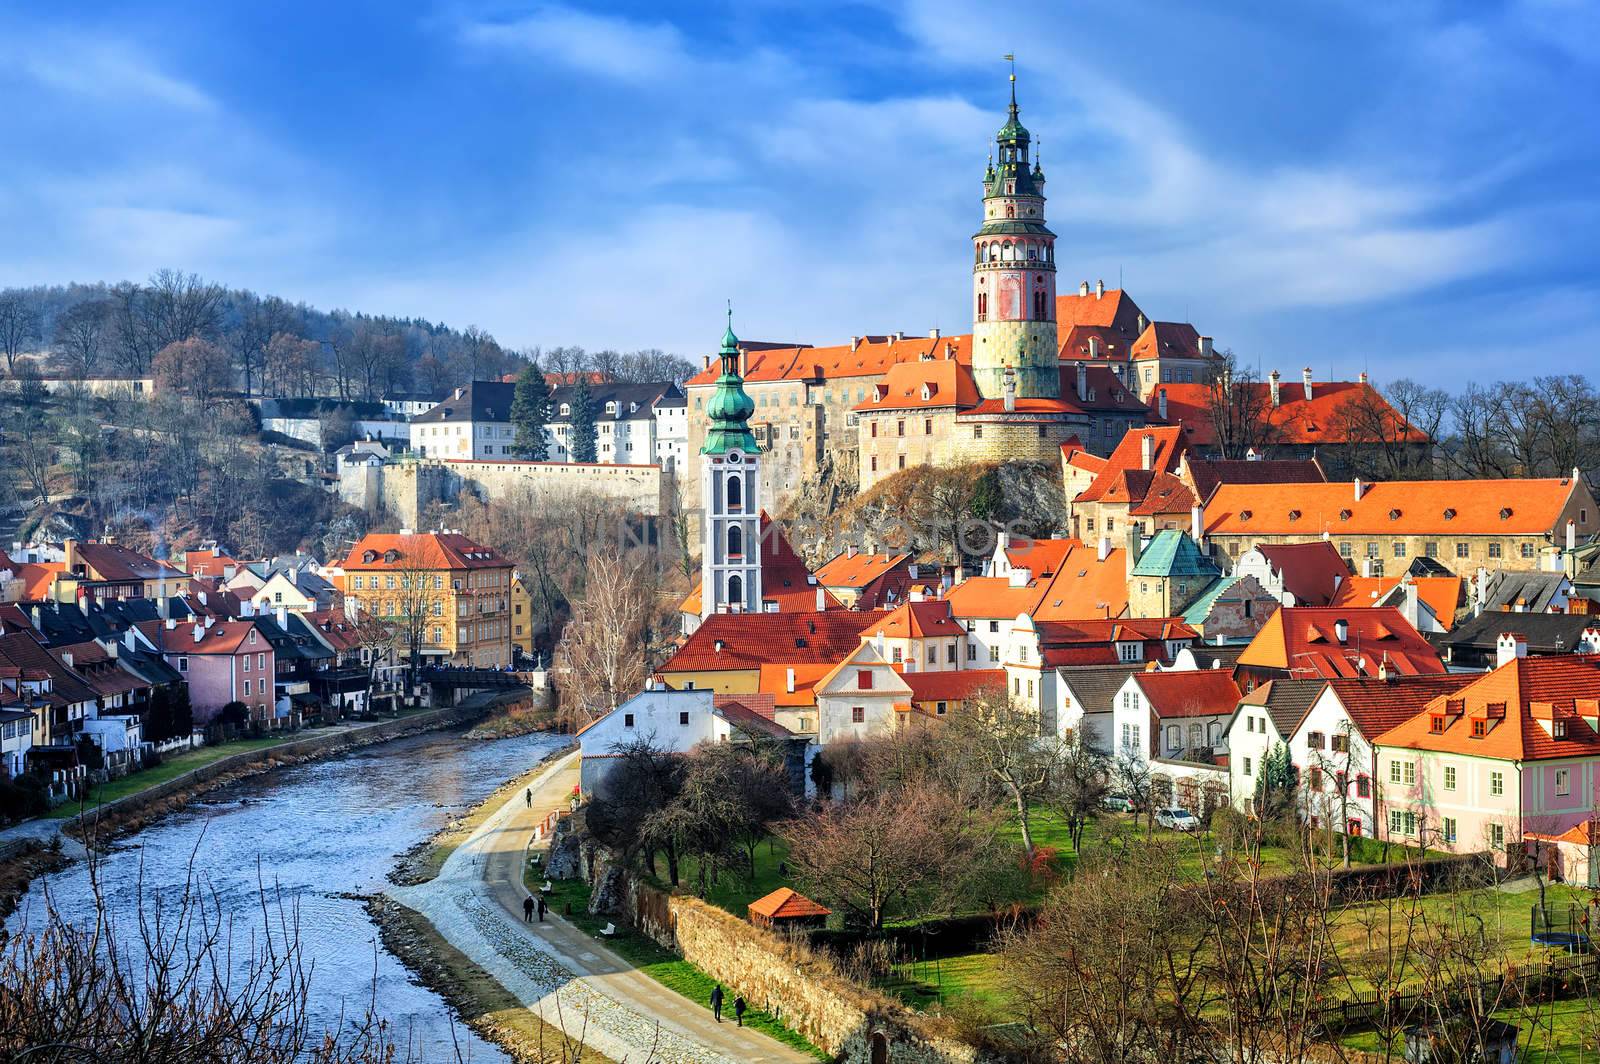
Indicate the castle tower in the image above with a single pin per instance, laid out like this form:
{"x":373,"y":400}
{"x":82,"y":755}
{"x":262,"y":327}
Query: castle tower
{"x":1014,"y":274}
{"x":730,"y":492}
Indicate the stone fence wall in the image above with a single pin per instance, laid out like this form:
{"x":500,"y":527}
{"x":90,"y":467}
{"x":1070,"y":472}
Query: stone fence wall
{"x":786,"y":978}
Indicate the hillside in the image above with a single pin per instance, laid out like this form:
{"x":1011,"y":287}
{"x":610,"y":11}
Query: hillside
{"x":925,"y":509}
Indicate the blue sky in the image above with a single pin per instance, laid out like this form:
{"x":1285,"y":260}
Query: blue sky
{"x":1409,"y":187}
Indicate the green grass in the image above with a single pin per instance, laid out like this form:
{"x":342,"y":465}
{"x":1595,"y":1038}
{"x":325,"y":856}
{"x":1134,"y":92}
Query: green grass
{"x":734,"y":890}
{"x":1556,"y":1032}
{"x":662,"y":965}
{"x":939,"y":981}
{"x":169,"y":769}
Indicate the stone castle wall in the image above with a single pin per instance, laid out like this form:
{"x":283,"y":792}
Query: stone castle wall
{"x":405,"y":489}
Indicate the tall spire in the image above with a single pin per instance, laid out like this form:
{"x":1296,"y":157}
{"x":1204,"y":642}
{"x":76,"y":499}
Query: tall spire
{"x":730,"y":407}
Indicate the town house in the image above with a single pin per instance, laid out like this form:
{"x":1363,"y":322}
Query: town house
{"x":222,"y":662}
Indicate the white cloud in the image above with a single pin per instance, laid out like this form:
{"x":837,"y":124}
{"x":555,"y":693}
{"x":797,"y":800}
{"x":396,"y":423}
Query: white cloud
{"x":108,"y":71}
{"x":599,"y":44}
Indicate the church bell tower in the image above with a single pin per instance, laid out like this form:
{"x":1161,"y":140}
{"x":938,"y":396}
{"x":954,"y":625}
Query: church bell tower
{"x":730,"y":488}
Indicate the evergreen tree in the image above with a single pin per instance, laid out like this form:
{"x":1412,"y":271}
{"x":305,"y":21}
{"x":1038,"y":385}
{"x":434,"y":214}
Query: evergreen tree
{"x":582,"y":431}
{"x":1275,"y":786}
{"x":530,"y":412}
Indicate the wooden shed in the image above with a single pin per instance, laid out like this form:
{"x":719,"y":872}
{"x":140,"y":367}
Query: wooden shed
{"x":786,"y":908}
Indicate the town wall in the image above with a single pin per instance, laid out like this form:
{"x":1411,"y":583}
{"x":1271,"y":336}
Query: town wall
{"x":404,"y":489}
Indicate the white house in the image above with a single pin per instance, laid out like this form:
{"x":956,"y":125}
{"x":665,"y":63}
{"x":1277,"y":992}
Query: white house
{"x":1084,"y":700}
{"x":16,"y":739}
{"x":1264,"y":719}
{"x":863,"y":695}
{"x":672,"y":721}
{"x":672,"y":432}
{"x":1176,"y":722}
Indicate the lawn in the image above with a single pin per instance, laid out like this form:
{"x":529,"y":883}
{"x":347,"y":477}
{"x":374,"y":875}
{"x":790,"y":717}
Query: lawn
{"x":940,"y":980}
{"x":570,"y":899}
{"x":1559,"y":1032}
{"x":169,"y":769}
{"x":734,"y":890}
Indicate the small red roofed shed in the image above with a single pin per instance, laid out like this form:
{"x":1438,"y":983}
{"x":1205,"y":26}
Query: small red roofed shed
{"x":787,"y":908}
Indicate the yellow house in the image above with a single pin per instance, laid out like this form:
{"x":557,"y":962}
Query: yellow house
{"x":458,"y":592}
{"x":521,"y":615}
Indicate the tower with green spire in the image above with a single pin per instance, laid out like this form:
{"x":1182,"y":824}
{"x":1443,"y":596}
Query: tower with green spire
{"x":730,"y":491}
{"x":1014,"y":273}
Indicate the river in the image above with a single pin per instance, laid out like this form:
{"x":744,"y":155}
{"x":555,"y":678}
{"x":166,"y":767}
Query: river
{"x":318,"y":832}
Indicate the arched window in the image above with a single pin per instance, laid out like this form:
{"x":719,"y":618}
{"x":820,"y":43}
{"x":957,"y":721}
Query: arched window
{"x":735,"y":542}
{"x":1033,"y":252}
{"x":736,"y":590}
{"x":983,"y":306}
{"x":1005,"y":253}
{"x":1011,"y":210}
{"x":735,"y":492}
{"x":994,"y":252}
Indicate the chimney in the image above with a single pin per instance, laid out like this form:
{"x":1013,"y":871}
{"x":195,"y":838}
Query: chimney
{"x":1094,"y":347}
{"x":283,"y":617}
{"x":850,"y":550}
{"x":69,"y":554}
{"x":1142,"y":322}
{"x":1360,"y":488}
{"x":1103,"y":551}
{"x":1099,"y":289}
{"x":201,"y":596}
{"x":210,"y":620}
{"x":170,"y":623}
{"x":1161,"y":403}
{"x":788,"y":679}
{"x":1083,"y":383}
{"x":822,"y":599}
{"x":199,"y":632}
{"x":1305,"y":377}
{"x":707,"y":361}
{"x":66,"y":659}
{"x":917,"y":595}
{"x":1363,"y":377}
{"x":1205,"y":347}
{"x":1272,"y":386}
{"x":1009,"y":385}
{"x":1147,"y":450}
{"x":744,"y":363}
{"x":855,"y":342}
{"x":1083,"y":289}
{"x":1341,"y":629}
{"x":1135,"y":548}
{"x":933,"y":334}
{"x":1197,"y":525}
{"x":1509,"y":647}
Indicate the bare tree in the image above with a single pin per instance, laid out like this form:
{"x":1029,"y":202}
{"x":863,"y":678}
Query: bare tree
{"x":179,"y":306}
{"x":1240,"y":409}
{"x":601,"y":657}
{"x":19,"y":326}
{"x":1000,"y":738}
{"x":80,"y":338}
{"x":194,"y":367}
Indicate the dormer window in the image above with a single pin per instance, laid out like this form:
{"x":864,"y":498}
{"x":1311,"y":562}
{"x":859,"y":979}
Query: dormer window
{"x":1394,"y":515}
{"x":1558,"y":729}
{"x":566,"y":409}
{"x":1294,"y":515}
{"x":1449,"y":513}
{"x":611,"y":408}
{"x":369,"y":556}
{"x":1505,"y":513}
{"x":1245,"y":515}
{"x":1480,"y":728}
{"x":1436,"y":723}
{"x":1344,"y":515}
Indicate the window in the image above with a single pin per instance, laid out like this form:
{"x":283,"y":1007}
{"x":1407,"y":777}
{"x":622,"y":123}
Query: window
{"x":994,"y":626}
{"x":1247,"y":766}
{"x":1363,"y":787}
{"x":1345,"y":551}
{"x":874,"y":427}
{"x":261,"y":661}
{"x":1463,"y":550}
{"x":858,"y":715}
{"x":994,"y":653}
{"x":1128,"y":651}
{"x":927,"y":426}
{"x":900,"y":427}
{"x":1494,"y":550}
{"x":247,"y":663}
{"x":1480,"y":728}
{"x":1314,"y":778}
{"x":939,"y":709}
{"x":1497,"y":836}
{"x":897,"y":655}
{"x":1399,"y":549}
{"x":1340,"y":744}
{"x":950,"y":654}
{"x":1563,"y":781}
{"x":1410,"y":772}
{"x":683,"y":718}
{"x":1314,"y":740}
{"x":627,"y":720}
{"x":1448,"y":829}
{"x":1372,"y":550}
{"x":972,"y":652}
{"x":863,"y":679}
{"x":1497,"y":783}
{"x":1449,"y":777}
{"x":901,"y":464}
{"x":977,"y":432}
{"x":1430,"y":550}
{"x":1527,"y":550}
{"x":1174,"y":737}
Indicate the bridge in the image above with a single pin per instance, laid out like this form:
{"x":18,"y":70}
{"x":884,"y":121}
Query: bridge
{"x":477,"y":679}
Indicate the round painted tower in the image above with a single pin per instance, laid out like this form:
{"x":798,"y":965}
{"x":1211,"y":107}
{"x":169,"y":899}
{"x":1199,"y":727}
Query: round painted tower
{"x":1014,"y":274}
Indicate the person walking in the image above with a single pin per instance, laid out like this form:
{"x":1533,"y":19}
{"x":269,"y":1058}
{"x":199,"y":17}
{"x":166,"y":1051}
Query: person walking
{"x":716,"y":1002}
{"x":527,"y":909}
{"x":543,"y":908}
{"x":738,"y":1009}
{"x":529,"y":796}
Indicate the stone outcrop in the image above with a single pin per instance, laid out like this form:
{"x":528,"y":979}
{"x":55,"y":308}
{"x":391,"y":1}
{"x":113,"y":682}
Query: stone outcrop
{"x":565,"y":859}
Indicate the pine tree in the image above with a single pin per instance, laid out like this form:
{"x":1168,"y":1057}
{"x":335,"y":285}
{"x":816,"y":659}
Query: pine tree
{"x":582,"y":429}
{"x":530,"y":412}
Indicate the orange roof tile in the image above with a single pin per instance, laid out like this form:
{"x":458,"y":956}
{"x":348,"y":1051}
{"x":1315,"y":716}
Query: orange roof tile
{"x":994,"y":597}
{"x":1443,"y":594}
{"x":915,"y":620}
{"x":1311,"y":572}
{"x":1406,"y":507}
{"x":1296,"y":419}
{"x":856,"y":571}
{"x":1042,"y":557}
{"x":1189,"y":693}
{"x":1509,"y":702}
{"x":750,"y":640}
{"x":871,"y":357}
{"x":223,"y":637}
{"x":1167,"y":339}
{"x":1304,"y":641}
{"x":954,"y":685}
{"x":774,"y":680}
{"x":424,"y":550}
{"x":37,"y":578}
{"x":1376,"y":705}
{"x":1168,"y":448}
{"x":1085,"y":587}
{"x":784,"y":903}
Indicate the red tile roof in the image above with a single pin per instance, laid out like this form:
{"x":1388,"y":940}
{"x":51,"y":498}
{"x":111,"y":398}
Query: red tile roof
{"x":1041,"y":557}
{"x":1129,"y":455}
{"x":952,"y":686}
{"x":223,"y":637}
{"x":1510,"y":702}
{"x":1296,"y":419}
{"x":994,"y":597}
{"x":421,"y":550}
{"x":916,"y":620}
{"x":785,"y":580}
{"x":1189,"y":693}
{"x":1375,"y":706}
{"x":856,"y":571}
{"x":1207,"y":474}
{"x":114,"y":562}
{"x":1402,"y":507}
{"x":784,"y":903}
{"x":1093,"y":642}
{"x":1442,"y":594}
{"x":1311,"y":572}
{"x":1167,"y":339}
{"x":1305,"y":642}
{"x":1084,"y":586}
{"x":774,"y":681}
{"x":750,"y":640}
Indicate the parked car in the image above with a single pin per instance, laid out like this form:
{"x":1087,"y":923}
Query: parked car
{"x":1177,"y":819}
{"x":1118,"y":803}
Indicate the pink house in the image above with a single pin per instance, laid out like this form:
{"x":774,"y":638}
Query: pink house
{"x":1514,"y":753}
{"x":222,"y":661}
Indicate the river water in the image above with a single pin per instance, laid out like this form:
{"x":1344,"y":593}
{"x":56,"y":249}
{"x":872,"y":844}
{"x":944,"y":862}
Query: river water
{"x":317,"y":832}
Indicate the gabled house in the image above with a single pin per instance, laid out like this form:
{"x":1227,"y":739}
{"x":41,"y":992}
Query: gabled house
{"x":861,"y":580}
{"x":727,"y":651}
{"x":1230,"y":610}
{"x":1519,"y":591}
{"x":1169,"y":572}
{"x":1175,"y":722}
{"x":299,"y":590}
{"x":222,"y":662}
{"x":1301,"y":642}
{"x":111,"y":570}
{"x":1264,"y":720}
{"x":920,"y":636}
{"x":1086,"y":697}
{"x":1297,"y":574}
{"x":59,"y":699}
{"x":1041,"y":650}
{"x":1514,"y":751}
{"x":863,"y":695}
{"x":1430,"y":603}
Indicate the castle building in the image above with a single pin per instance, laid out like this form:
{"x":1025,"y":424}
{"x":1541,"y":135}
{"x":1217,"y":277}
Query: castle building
{"x":730,"y":490}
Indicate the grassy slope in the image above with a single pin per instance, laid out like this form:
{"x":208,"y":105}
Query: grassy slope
{"x":169,"y":769}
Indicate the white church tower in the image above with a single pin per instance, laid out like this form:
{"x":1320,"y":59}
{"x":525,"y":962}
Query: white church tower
{"x":730,"y":488}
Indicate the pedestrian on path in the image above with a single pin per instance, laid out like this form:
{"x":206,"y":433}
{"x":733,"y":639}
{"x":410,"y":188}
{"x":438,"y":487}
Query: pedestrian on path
{"x":716,"y":1002}
{"x":527,"y":909}
{"x":544,"y":907}
{"x":529,"y":796}
{"x":738,"y":1010}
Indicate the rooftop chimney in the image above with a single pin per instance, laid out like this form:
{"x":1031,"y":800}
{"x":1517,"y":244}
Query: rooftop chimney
{"x":1094,"y":347}
{"x":1099,"y":289}
{"x":1197,"y":524}
{"x":1509,"y":647}
{"x":1142,"y":322}
{"x":1161,"y":403}
{"x":283,"y":617}
{"x":1363,"y":377}
{"x":1360,"y":488}
{"x":199,"y":632}
{"x":1083,"y":289}
{"x":788,"y":679}
{"x":855,"y":342}
{"x":1083,"y":383}
{"x":822,"y":599}
{"x":1305,"y":377}
{"x":1341,"y":629}
{"x":1103,"y":551}
{"x":1147,"y":450}
{"x":1205,"y":347}
{"x":170,"y":623}
{"x":1272,"y":386}
{"x":933,"y":334}
{"x":744,"y":363}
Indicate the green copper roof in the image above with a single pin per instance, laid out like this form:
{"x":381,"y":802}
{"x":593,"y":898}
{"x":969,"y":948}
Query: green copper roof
{"x":1172,"y":553}
{"x":1201,"y":607}
{"x":730,"y":407}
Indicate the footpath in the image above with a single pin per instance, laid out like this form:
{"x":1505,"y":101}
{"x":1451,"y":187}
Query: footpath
{"x":568,"y":979}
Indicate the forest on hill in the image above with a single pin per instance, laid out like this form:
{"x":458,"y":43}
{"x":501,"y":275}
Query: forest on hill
{"x":264,"y":345}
